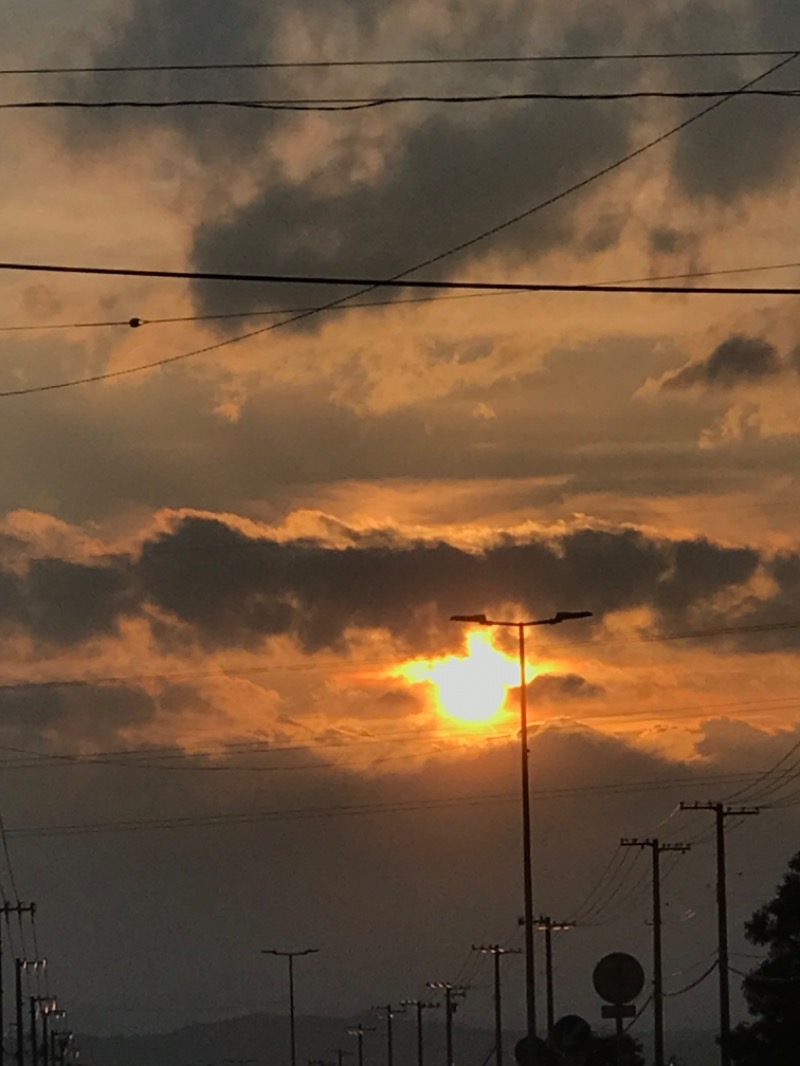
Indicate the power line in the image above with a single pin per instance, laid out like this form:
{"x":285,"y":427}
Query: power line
{"x":417,"y":61}
{"x":697,"y":634}
{"x":596,"y":175}
{"x":696,"y":982}
{"x":365,"y":103}
{"x":400,"y":282}
{"x":453,"y":250}
{"x":137,"y":322}
{"x":330,"y":811}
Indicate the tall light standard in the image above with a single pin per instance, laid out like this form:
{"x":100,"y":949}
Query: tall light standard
{"x":291,"y":956}
{"x":527,"y":862}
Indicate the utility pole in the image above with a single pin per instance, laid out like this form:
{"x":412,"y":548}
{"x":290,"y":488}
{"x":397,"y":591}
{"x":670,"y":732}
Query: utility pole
{"x":340,"y":1054}
{"x":358,"y":1031}
{"x":291,"y":956}
{"x":19,"y":966}
{"x":50,"y":1009}
{"x":451,"y":994}
{"x":656,"y":848}
{"x":389,"y":1013}
{"x":419,"y":1005}
{"x":721,"y":812}
{"x":497,"y":952}
{"x":548,"y":926}
{"x":34,"y":1037}
{"x":6,"y":910}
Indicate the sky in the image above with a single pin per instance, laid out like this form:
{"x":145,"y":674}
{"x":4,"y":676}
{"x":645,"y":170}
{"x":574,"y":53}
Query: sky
{"x":234,"y":712}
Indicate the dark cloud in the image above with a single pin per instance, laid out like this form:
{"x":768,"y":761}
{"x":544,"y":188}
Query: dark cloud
{"x":226,"y":589}
{"x":738,"y":360}
{"x":748,"y":145}
{"x":62,"y":603}
{"x":66,"y":716}
{"x":666,"y":240}
{"x":449,"y":179}
{"x":232,"y":590}
{"x":552,"y":688}
{"x":170,"y":32}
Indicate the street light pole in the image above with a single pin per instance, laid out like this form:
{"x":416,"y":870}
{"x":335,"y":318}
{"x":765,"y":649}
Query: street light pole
{"x":527,"y":857}
{"x":291,"y":956}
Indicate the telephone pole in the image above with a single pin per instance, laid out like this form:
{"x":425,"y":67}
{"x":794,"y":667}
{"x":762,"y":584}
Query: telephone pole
{"x":721,"y":812}
{"x":656,"y":848}
{"x":548,"y":926}
{"x":389,"y":1012}
{"x":6,"y":910}
{"x":291,"y":956}
{"x":419,"y":1005}
{"x":358,"y":1031}
{"x":497,"y":952}
{"x":451,"y":994}
{"x":340,"y":1053}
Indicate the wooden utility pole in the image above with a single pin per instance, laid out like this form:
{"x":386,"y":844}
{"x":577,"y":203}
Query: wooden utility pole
{"x":451,"y":994}
{"x":419,"y":1006}
{"x":721,"y":812}
{"x":497,"y":952}
{"x":656,"y":848}
{"x":358,"y":1032}
{"x":389,"y":1013}
{"x":548,"y":926}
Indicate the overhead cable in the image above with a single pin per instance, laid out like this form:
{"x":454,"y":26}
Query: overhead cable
{"x":403,"y":61}
{"x":469,"y":242}
{"x":339,"y":281}
{"x":137,"y":322}
{"x":368,"y":103}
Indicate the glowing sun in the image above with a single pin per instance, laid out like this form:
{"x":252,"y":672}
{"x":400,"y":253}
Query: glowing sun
{"x":471,"y":688}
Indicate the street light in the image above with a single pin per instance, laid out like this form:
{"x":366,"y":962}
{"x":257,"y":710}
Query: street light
{"x":291,"y":956}
{"x":527,"y":861}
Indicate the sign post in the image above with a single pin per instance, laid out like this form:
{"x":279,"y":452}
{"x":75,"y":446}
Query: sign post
{"x":618,"y":978}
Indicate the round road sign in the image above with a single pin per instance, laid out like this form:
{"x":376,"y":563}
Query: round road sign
{"x":618,"y":978}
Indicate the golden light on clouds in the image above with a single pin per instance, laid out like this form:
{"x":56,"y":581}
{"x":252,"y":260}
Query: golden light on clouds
{"x":468,"y":688}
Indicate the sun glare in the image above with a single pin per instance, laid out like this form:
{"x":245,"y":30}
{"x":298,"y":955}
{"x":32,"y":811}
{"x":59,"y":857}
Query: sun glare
{"x":469,"y":688}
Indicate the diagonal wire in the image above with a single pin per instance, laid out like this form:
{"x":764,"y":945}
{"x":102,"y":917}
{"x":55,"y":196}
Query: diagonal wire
{"x":470,"y":242}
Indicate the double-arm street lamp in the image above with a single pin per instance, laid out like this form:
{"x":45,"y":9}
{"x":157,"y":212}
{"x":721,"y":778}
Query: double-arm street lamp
{"x":290,"y":956}
{"x":527,"y":861}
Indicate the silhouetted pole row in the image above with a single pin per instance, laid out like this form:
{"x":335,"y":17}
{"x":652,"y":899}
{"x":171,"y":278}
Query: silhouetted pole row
{"x":291,"y":956}
{"x":721,"y":812}
{"x":527,"y":859}
{"x":656,"y":848}
{"x":419,"y":1006}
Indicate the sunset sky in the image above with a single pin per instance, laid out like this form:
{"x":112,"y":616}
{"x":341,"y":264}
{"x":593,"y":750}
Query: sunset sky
{"x":226,"y":583}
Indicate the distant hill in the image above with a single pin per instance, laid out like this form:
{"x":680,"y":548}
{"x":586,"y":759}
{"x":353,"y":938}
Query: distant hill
{"x":264,"y":1039}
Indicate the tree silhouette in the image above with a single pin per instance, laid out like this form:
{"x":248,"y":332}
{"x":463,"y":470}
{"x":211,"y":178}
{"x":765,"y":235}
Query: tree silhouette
{"x":772,"y":989}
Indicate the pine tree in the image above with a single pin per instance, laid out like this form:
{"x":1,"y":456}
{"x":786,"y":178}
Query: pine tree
{"x":772,"y":989}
